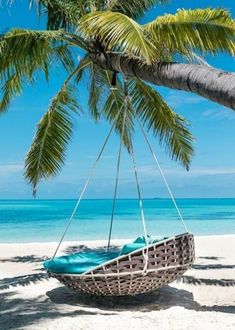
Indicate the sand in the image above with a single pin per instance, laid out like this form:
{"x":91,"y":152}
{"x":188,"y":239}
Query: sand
{"x":204,"y":298}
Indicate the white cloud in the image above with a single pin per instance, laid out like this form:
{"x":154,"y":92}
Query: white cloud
{"x":176,"y":99}
{"x":103,"y":157}
{"x":219,"y":114}
{"x":200,"y":171}
{"x":8,"y":169}
{"x":212,"y":171}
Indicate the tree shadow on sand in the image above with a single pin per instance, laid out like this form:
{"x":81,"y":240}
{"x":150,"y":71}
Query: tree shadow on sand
{"x":212,"y":266}
{"x":23,"y":280}
{"x":210,"y":258}
{"x":17,"y":313}
{"x":161,"y":299}
{"x":25,"y":259}
{"x":206,"y":281}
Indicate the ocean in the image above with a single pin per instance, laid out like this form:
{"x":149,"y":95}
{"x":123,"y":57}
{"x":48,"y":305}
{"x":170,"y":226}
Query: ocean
{"x":44,"y":220}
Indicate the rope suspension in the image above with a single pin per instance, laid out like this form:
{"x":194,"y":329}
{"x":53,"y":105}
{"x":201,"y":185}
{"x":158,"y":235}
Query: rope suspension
{"x":86,"y":185}
{"x":161,"y":173}
{"x":145,"y":254}
{"x":117,"y":173}
{"x":123,"y":109}
{"x":141,"y":209}
{"x":136,"y":179}
{"x":139,"y":193}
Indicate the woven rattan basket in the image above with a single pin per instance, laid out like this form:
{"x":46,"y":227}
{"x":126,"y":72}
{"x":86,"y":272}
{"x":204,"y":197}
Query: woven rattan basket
{"x":128,"y":274}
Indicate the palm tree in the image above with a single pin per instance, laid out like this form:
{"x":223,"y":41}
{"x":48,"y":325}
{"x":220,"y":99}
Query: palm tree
{"x":118,"y":57}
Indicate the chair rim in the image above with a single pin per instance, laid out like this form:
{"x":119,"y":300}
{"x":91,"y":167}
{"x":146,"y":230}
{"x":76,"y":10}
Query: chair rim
{"x":123,"y":274}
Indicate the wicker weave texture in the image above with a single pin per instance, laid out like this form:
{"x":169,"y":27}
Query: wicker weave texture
{"x":127,"y":275}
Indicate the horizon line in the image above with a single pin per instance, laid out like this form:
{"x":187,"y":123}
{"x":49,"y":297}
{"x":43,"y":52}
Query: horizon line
{"x":124,"y":198}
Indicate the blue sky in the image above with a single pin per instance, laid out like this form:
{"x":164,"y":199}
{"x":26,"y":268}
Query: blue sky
{"x":212,"y":173}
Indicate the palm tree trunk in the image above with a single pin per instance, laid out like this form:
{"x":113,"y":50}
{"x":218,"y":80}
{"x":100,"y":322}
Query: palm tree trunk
{"x":211,"y":83}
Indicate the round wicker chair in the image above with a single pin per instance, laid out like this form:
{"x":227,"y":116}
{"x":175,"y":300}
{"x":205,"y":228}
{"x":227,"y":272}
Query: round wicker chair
{"x":138,"y":272}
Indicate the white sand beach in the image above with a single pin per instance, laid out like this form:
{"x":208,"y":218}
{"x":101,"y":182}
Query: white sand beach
{"x":204,"y":298}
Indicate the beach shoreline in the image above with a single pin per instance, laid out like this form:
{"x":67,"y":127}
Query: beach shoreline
{"x":100,"y":242}
{"x":203,"y":297}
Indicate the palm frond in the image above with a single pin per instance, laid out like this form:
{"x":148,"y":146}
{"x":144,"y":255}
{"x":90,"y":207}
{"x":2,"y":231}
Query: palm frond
{"x":134,"y":9}
{"x":65,"y":13}
{"x":83,"y":65}
{"x":96,"y":84}
{"x":12,"y":87}
{"x":47,"y":153}
{"x":107,"y":103}
{"x":63,"y":54}
{"x":205,"y":30}
{"x":61,"y":13}
{"x":29,"y":49}
{"x":23,"y":53}
{"x":118,"y":32}
{"x":171,"y":129}
{"x":114,"y":108}
{"x":97,"y":88}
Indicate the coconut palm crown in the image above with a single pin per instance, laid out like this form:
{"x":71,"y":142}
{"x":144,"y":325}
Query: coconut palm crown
{"x":80,"y":30}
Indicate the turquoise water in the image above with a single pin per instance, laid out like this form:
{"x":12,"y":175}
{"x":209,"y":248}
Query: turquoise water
{"x":44,"y":220}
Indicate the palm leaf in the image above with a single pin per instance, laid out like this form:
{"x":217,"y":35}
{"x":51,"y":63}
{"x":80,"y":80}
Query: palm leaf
{"x":206,"y":30}
{"x":108,"y":103}
{"x":170,"y":128}
{"x":83,"y":65}
{"x":26,"y":50}
{"x":61,"y":13}
{"x":116,"y":31}
{"x":134,"y":9}
{"x":47,"y":153}
{"x":115,"y":105}
{"x":96,"y":84}
{"x":97,"y":90}
{"x":63,"y":54}
{"x":65,"y":13}
{"x":11,"y":88}
{"x":23,"y":53}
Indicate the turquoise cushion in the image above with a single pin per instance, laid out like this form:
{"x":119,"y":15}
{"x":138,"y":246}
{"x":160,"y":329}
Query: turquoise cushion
{"x":130,"y":247}
{"x":82,"y":262}
{"x":158,"y":240}
{"x":78,"y":263}
{"x":139,"y":243}
{"x":140,"y":239}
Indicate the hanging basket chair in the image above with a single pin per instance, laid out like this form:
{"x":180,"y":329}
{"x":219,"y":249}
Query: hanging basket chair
{"x":141,"y":271}
{"x":145,"y":268}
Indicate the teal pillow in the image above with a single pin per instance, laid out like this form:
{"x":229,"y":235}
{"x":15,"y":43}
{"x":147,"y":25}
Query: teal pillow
{"x":130,"y":247}
{"x":158,"y":240}
{"x":141,"y":239}
{"x":139,"y":243}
